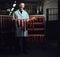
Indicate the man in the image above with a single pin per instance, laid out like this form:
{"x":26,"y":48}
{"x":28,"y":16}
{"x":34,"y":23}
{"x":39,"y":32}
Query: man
{"x":21,"y":33}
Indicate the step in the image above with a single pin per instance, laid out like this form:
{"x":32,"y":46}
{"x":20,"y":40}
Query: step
{"x":35,"y":29}
{"x":36,"y":35}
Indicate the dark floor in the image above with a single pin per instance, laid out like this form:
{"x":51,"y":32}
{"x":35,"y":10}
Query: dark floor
{"x":34,"y":52}
{"x":51,"y":50}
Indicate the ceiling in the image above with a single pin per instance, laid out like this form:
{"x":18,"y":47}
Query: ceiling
{"x":8,"y":3}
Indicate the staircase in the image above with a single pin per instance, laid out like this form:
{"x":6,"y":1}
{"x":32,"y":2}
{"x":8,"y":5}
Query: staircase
{"x":36,"y":31}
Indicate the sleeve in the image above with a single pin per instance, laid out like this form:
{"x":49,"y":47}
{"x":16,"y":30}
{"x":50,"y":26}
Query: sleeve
{"x":14,"y":16}
{"x":27,"y":16}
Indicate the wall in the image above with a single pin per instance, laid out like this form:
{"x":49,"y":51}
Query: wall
{"x":49,"y":4}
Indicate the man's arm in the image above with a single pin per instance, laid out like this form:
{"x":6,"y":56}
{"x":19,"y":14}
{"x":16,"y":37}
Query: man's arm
{"x":14,"y":19}
{"x":14,"y":16}
{"x":33,"y":18}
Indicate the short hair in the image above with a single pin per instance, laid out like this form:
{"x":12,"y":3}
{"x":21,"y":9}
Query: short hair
{"x":22,"y":3}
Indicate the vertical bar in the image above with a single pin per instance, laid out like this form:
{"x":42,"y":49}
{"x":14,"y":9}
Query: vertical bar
{"x":1,"y":23}
{"x":47,"y":14}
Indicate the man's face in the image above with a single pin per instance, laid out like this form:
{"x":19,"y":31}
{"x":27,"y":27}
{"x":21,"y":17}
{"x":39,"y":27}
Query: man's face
{"x":21,"y":5}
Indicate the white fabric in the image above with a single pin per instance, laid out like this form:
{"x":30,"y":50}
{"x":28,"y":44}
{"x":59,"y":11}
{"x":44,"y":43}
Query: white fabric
{"x":24,"y":15}
{"x":18,"y":15}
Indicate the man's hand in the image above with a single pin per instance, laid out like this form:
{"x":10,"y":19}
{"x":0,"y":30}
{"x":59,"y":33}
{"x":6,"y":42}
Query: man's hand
{"x":33,"y":18}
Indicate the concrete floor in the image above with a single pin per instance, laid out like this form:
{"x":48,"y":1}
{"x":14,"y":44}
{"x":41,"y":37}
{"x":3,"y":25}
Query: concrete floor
{"x":35,"y":52}
{"x":51,"y":51}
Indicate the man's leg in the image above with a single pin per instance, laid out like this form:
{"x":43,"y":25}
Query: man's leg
{"x":19,"y":34}
{"x":24,"y":44}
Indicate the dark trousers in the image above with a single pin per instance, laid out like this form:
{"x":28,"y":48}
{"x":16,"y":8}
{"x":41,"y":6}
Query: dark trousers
{"x":22,"y":43}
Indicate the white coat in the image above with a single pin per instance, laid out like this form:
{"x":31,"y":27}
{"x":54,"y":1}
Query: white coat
{"x":18,"y":15}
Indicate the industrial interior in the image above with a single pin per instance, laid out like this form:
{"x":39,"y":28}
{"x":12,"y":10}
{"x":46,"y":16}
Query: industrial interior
{"x":43,"y":32}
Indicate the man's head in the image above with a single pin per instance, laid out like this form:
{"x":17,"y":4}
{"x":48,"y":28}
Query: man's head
{"x":21,"y":6}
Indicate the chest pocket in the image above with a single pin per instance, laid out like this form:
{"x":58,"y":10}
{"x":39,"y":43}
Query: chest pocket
{"x":19,"y":16}
{"x":24,"y":16}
